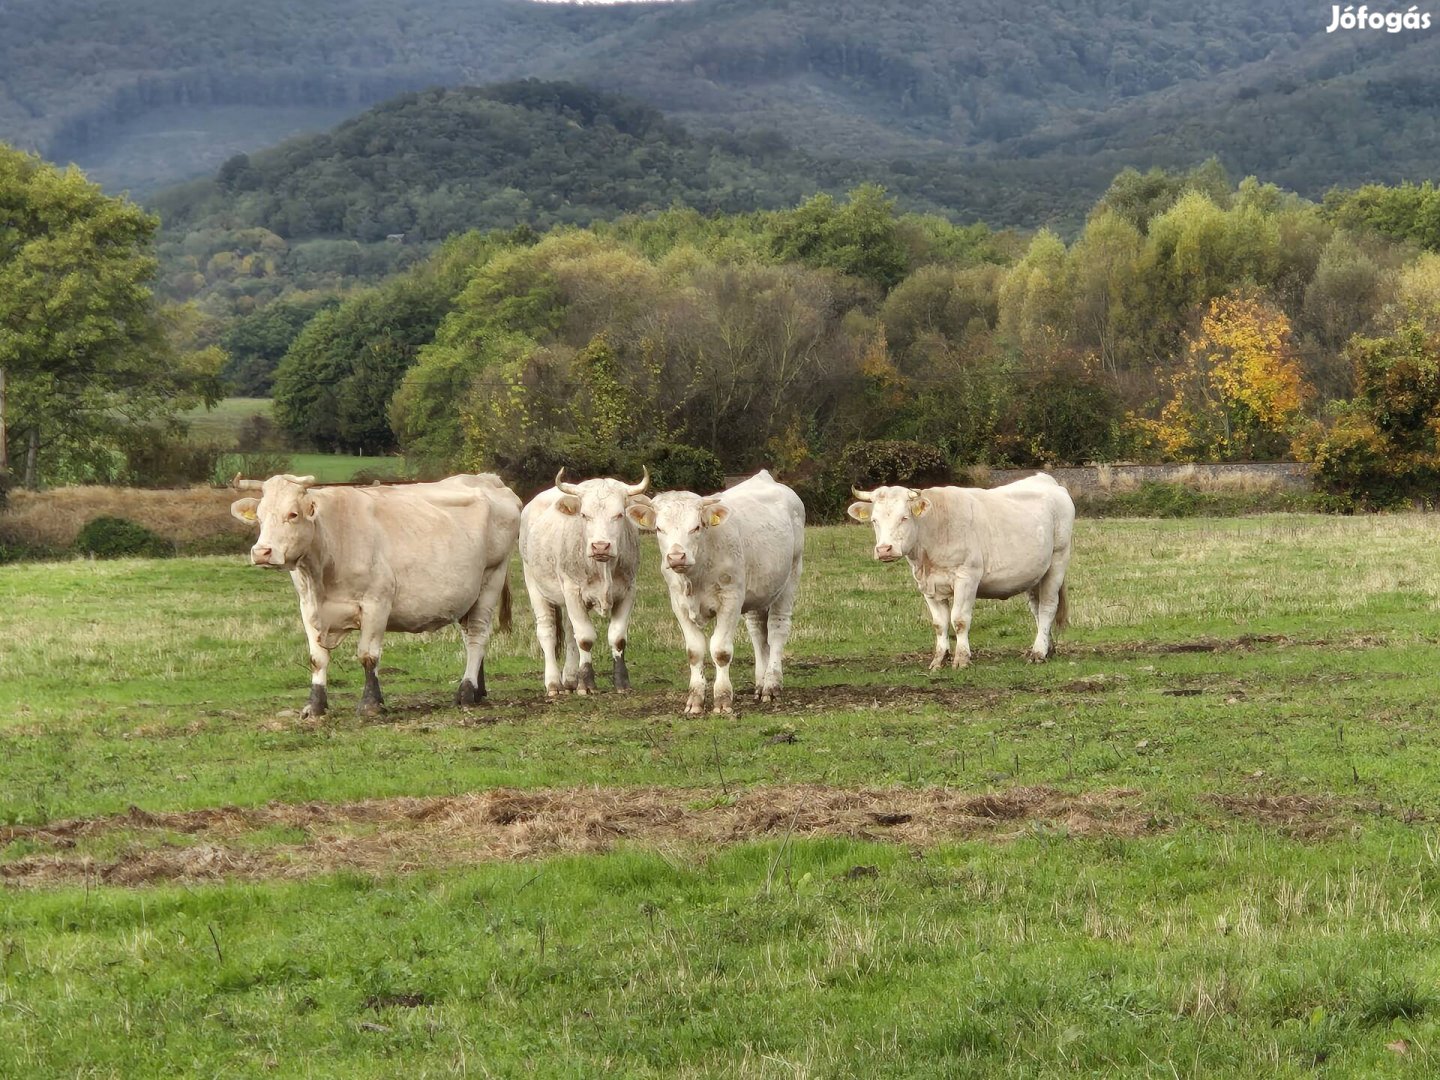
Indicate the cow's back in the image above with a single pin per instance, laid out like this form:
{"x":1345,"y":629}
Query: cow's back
{"x":770,"y":519}
{"x":1007,"y":534}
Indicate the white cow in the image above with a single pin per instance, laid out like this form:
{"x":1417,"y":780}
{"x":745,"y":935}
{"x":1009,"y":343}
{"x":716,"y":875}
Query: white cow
{"x":740,"y":552}
{"x":967,"y":542}
{"x":411,"y":557}
{"x":580,"y":554}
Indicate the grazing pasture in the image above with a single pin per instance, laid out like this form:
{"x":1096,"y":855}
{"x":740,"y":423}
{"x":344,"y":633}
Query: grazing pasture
{"x":1203,"y":840}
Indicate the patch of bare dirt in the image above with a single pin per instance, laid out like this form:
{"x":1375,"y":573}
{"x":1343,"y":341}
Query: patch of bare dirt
{"x":1243,"y":643}
{"x":403,"y":834}
{"x":1307,"y":817}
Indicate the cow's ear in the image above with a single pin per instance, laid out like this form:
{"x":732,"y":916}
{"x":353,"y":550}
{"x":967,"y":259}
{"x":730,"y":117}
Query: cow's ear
{"x":859,"y":511}
{"x":642,"y":514}
{"x":715,"y":513}
{"x":311,"y":509}
{"x":919,"y":506}
{"x":245,"y":510}
{"x":568,"y":505}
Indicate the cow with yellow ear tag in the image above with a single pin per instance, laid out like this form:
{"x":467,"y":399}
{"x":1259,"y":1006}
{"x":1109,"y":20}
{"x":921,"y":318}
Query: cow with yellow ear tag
{"x":735,"y":555}
{"x":969,"y":543}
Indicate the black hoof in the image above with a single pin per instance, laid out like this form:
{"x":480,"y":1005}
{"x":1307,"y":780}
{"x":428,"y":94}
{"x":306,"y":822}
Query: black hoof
{"x":587,"y":677}
{"x":622,"y":674}
{"x":468,"y":694}
{"x":318,"y":705}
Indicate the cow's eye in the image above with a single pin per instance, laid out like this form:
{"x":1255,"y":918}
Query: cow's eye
{"x":619,"y":516}
{"x":292,"y":515}
{"x":695,"y":529}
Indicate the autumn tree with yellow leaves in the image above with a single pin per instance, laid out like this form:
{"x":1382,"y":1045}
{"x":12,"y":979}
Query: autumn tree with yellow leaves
{"x":1239,"y":392}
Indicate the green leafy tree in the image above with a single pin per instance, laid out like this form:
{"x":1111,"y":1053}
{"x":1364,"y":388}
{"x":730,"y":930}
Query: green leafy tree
{"x":85,"y":353}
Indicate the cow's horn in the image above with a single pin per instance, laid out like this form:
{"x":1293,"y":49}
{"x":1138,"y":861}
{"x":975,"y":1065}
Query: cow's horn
{"x":862,"y":496}
{"x":241,"y":484}
{"x":303,"y":481}
{"x":568,"y":489}
{"x":911,"y":494}
{"x":642,"y":486}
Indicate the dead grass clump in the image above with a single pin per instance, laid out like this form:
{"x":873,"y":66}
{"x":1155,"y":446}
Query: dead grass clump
{"x":183,"y":516}
{"x":399,"y":835}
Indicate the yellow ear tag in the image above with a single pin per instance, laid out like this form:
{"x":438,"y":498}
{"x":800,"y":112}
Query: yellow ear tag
{"x":860,"y":512}
{"x":919,"y":506}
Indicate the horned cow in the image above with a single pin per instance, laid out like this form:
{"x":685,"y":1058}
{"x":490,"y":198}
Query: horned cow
{"x":737,"y":553}
{"x":580,"y":553}
{"x":964,"y":543}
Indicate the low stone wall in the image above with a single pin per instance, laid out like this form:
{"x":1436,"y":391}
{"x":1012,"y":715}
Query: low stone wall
{"x":1102,"y":479}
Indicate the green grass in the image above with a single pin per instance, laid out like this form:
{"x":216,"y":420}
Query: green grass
{"x":337,"y":468}
{"x":1263,"y":687}
{"x":222,"y":424}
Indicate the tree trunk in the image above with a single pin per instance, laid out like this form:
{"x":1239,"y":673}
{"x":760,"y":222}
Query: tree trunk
{"x":32,"y":455}
{"x":4,"y":435}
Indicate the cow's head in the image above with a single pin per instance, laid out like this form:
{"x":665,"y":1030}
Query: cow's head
{"x":600,"y":506}
{"x":892,"y":510}
{"x":679,"y":519}
{"x":285,"y":512}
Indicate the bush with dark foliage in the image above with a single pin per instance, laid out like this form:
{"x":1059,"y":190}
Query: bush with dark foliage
{"x":118,"y":538}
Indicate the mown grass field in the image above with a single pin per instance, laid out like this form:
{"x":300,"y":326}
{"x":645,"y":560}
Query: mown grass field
{"x":1202,"y":841}
{"x":223,"y":424}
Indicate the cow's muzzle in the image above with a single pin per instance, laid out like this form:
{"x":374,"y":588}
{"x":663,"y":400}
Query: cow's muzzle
{"x":602,"y":550}
{"x":886,"y":553}
{"x":266,"y":558}
{"x":680,"y":565}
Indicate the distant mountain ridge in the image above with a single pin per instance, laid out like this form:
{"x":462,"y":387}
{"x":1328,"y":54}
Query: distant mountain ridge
{"x":1006,"y":95}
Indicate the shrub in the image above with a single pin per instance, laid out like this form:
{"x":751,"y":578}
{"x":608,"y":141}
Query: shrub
{"x":825,"y":488}
{"x":677,"y":467}
{"x":878,"y":462}
{"x":254,"y":466}
{"x":1383,"y":451}
{"x":156,"y":461}
{"x":116,"y":537}
{"x":7,"y":481}
{"x":672,"y":465}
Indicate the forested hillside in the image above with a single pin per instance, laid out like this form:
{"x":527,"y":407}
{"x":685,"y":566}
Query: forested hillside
{"x":971,"y":101}
{"x":375,"y":194}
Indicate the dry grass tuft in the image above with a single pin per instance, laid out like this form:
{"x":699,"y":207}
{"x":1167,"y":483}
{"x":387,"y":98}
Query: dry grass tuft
{"x":397,"y":835}
{"x":183,"y":516}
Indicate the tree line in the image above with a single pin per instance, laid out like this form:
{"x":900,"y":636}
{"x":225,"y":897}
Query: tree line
{"x":1190,"y":319}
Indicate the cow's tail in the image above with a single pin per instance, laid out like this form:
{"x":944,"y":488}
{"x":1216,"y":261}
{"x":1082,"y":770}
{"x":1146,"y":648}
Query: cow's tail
{"x":1062,"y":610}
{"x":505,"y":621}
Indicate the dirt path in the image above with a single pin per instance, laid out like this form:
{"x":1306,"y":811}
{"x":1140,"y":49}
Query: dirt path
{"x":407,"y":834}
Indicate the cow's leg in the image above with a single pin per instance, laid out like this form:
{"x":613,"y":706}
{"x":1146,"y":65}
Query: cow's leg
{"x":318,"y":704}
{"x":722,"y":649}
{"x":1044,"y":602}
{"x":475,"y":628}
{"x":617,"y":633}
{"x":373,"y":618}
{"x":584,"y":640}
{"x":546,"y":632}
{"x":962,"y":609}
{"x":760,"y":642}
{"x":778,"y":627}
{"x":310,"y":618}
{"x":570,"y":676}
{"x":940,"y":619}
{"x":694,"y":653}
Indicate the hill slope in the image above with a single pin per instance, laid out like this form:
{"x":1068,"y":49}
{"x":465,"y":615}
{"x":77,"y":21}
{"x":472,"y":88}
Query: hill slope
{"x":435,"y":163}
